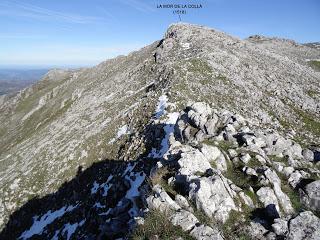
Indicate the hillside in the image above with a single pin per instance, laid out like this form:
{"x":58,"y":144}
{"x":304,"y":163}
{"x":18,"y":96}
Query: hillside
{"x":14,"y":80}
{"x":200,"y":128}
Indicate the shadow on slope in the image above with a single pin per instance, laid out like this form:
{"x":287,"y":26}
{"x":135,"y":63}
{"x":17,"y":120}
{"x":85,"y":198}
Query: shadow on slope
{"x":100,"y":202}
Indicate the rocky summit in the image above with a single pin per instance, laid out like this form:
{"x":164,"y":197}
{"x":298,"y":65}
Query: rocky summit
{"x":200,"y":135}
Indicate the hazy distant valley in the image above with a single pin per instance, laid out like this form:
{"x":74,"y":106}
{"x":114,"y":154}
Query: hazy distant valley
{"x":13,"y":80}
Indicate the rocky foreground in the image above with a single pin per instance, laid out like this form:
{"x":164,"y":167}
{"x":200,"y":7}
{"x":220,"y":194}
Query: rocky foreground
{"x":211,"y":175}
{"x":198,"y":136}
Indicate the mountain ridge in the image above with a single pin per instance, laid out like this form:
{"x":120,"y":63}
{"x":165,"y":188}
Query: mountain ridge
{"x":108,"y":111}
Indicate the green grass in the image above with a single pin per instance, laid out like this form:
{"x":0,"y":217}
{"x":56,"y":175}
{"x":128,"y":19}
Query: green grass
{"x":274,"y":158}
{"x":291,"y":193}
{"x":254,"y":162}
{"x":285,"y":123}
{"x":310,"y":123}
{"x":202,"y":216}
{"x":199,"y":66}
{"x":224,"y":145}
{"x":313,"y":93}
{"x":252,"y":195}
{"x":315,"y":65}
{"x":213,"y":164}
{"x":238,"y":177}
{"x":208,"y":142}
{"x":222,"y":78}
{"x":293,"y":196}
{"x":156,"y":224}
{"x":233,"y":227}
{"x":161,"y":178}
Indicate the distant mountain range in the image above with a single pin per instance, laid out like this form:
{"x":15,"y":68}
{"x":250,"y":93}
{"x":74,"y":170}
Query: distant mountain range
{"x":13,"y":80}
{"x":313,"y":44}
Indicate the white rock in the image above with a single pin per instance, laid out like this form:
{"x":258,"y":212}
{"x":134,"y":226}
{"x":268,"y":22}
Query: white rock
{"x":294,"y":178}
{"x":191,"y":161}
{"x":261,"y":159}
{"x":282,"y":197}
{"x":160,"y":200}
{"x":184,"y":219}
{"x":249,"y":171}
{"x":183,"y":202}
{"x":210,"y":152}
{"x":212,"y":195}
{"x":287,"y":171}
{"x":310,"y":196}
{"x":246,"y":199}
{"x":232,"y":153}
{"x":280,"y":227}
{"x":305,"y":226}
{"x":255,"y":230}
{"x":203,"y":232}
{"x":269,"y":200}
{"x":245,"y":158}
{"x":278,"y":166}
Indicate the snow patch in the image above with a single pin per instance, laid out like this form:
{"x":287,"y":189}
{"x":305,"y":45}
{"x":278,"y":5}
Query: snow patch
{"x":168,"y":129}
{"x":95,"y":187}
{"x":122,"y":131}
{"x":129,"y":168}
{"x":186,"y":45}
{"x":135,"y":179}
{"x":15,"y":184}
{"x":99,"y":205}
{"x":39,"y":223}
{"x":84,"y":154}
{"x":162,"y":104}
{"x":106,"y":186}
{"x":71,"y":228}
{"x":138,"y":179}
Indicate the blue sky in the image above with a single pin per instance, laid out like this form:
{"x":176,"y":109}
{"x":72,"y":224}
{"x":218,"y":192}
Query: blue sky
{"x":86,"y":32}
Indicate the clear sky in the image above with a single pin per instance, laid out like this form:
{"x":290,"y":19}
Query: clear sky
{"x":86,"y":32}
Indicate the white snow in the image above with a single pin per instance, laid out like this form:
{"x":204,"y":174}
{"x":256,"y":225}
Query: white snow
{"x":99,"y":205}
{"x":122,"y":131}
{"x":169,"y":129}
{"x":172,"y":118}
{"x":186,"y":45}
{"x":71,"y":228}
{"x":84,"y":154}
{"x":106,"y":186}
{"x":55,"y":237}
{"x":129,"y":168}
{"x":162,"y":104}
{"x":133,"y":192}
{"x":95,"y":187}
{"x":105,"y":213}
{"x":40,"y":223}
{"x":135,"y":184}
{"x":15,"y":184}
